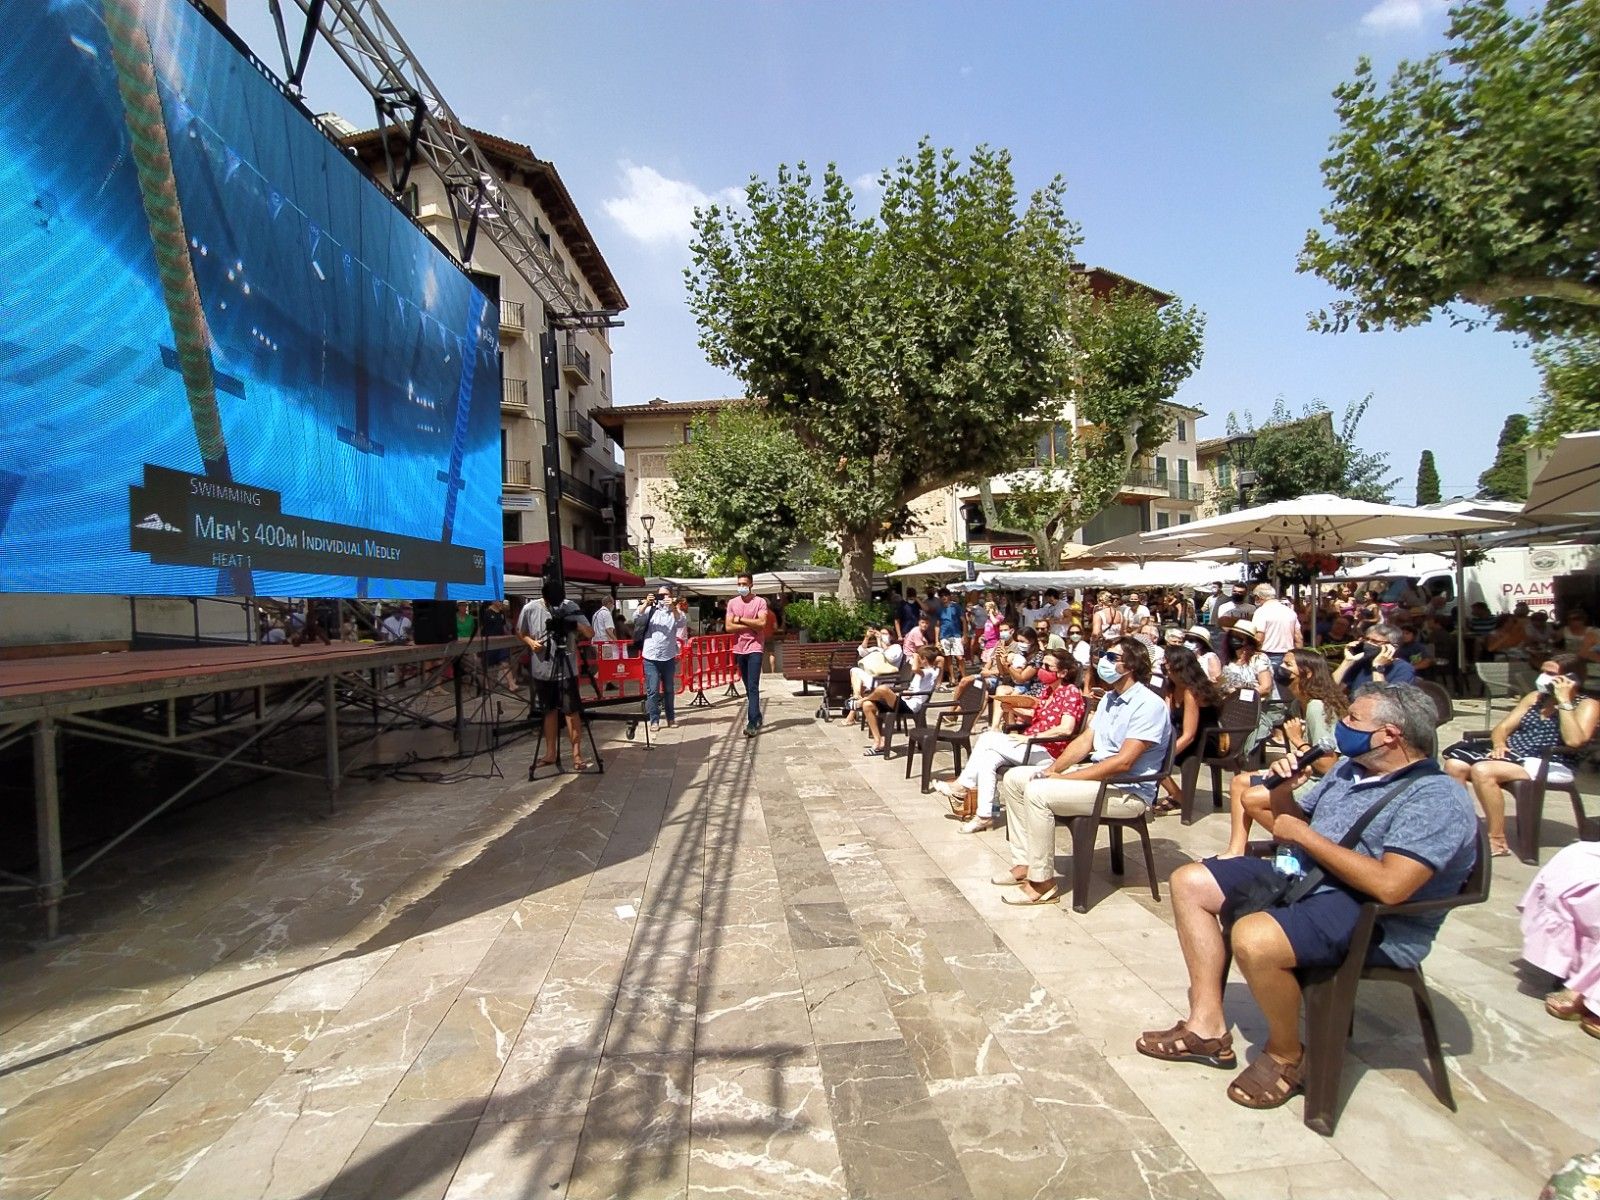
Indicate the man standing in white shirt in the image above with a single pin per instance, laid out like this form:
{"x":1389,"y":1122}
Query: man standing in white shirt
{"x":1277,"y":623}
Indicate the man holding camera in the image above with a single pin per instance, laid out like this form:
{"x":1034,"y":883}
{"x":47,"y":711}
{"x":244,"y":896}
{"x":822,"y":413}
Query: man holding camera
{"x":659,"y":629}
{"x":546,"y":626}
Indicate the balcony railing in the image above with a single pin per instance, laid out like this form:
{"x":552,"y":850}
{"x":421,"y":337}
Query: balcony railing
{"x":1183,"y":489}
{"x":576,"y":363}
{"x":516,"y":472}
{"x":577,"y":427}
{"x":584,"y":493}
{"x":1138,"y":478}
{"x":511,"y":317}
{"x":514,"y":394}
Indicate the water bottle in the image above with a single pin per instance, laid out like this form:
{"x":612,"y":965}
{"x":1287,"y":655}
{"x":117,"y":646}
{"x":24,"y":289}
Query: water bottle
{"x":1287,"y":862}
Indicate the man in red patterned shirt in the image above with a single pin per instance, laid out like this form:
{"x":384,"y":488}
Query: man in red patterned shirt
{"x":1058,"y":712}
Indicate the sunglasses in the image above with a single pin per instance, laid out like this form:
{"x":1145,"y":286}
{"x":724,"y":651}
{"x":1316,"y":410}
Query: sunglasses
{"x":1112,"y":656}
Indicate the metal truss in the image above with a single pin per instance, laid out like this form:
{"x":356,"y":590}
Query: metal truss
{"x":367,"y":42}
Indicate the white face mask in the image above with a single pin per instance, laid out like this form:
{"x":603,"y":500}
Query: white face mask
{"x":1545,"y":684}
{"x":883,"y":639}
{"x":743,"y":591}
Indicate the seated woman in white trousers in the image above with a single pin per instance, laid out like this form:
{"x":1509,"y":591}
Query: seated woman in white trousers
{"x":1059,"y":710}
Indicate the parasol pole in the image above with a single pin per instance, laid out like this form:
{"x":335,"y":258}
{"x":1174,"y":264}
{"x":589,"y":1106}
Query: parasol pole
{"x":1461,"y":611}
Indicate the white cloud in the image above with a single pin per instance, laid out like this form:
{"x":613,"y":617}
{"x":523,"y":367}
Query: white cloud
{"x":1390,"y":16}
{"x":658,"y":211}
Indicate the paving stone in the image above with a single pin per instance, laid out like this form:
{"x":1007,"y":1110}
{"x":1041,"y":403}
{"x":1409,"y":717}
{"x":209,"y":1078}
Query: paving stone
{"x":726,"y":968}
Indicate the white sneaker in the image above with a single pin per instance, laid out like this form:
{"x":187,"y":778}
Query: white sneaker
{"x":655,"y":726}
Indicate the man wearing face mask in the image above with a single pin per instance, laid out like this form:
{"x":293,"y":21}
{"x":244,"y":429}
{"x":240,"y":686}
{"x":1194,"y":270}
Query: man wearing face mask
{"x":1127,"y":736}
{"x":1419,"y":844}
{"x":750,"y":622}
{"x":1374,"y":659}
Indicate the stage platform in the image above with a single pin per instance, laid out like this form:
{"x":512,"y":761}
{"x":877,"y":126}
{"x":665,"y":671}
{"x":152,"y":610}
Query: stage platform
{"x":155,"y":700}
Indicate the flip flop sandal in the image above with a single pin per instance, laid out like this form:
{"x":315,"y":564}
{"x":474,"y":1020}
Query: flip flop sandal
{"x":1006,"y":880}
{"x":872,"y":752}
{"x":1266,"y":1083}
{"x":1589,"y":1022}
{"x":1179,"y":1045}
{"x":1051,"y":895}
{"x":1564,"y":1005}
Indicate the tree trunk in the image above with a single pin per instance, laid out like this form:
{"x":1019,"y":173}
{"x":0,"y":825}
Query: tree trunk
{"x":855,"y":577}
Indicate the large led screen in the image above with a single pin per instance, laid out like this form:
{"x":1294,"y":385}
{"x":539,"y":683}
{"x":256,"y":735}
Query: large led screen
{"x":228,"y":364}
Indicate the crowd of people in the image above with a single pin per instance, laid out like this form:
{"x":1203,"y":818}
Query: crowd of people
{"x":1114,"y":692}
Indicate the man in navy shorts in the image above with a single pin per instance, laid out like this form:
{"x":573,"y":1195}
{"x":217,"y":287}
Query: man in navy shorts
{"x":1421,"y":846}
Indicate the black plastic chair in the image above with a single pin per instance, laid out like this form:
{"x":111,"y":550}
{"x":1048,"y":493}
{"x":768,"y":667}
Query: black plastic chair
{"x":1085,"y":830}
{"x":1235,"y":723}
{"x":927,"y":739}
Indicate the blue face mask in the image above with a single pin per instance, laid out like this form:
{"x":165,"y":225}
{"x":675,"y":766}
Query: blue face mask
{"x":1106,"y":668}
{"x":1352,"y":743}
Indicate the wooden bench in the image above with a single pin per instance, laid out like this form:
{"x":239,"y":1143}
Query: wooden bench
{"x":806,"y":663}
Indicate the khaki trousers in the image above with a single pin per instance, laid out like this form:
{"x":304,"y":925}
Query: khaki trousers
{"x":1032,"y":806}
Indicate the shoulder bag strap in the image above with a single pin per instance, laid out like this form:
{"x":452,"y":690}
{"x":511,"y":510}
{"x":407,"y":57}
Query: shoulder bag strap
{"x":1315,"y":875}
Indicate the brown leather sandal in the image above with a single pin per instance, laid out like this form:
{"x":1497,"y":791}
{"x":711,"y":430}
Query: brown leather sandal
{"x":1179,"y":1045}
{"x":1267,"y":1083}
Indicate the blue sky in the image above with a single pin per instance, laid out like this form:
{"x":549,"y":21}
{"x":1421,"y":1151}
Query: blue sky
{"x":1190,"y":136}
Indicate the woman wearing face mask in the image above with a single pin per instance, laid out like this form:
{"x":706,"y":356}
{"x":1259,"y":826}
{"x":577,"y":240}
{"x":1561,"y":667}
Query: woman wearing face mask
{"x":1198,"y":639}
{"x":1019,"y":688}
{"x":1554,"y":717}
{"x":1323,"y":702}
{"x":1059,"y":710}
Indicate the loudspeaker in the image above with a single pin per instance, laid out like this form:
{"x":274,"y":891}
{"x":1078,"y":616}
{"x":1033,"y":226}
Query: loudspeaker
{"x":433,"y":622}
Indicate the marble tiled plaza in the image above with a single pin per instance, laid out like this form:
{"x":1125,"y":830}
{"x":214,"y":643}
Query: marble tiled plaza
{"x":724,"y":968}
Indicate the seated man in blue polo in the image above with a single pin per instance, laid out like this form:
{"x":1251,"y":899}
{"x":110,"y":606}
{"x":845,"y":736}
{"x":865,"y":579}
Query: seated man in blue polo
{"x":1374,"y":659}
{"x":1128,"y":735}
{"x":1420,"y":845}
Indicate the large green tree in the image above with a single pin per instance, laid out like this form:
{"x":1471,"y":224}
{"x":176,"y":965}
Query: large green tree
{"x":1427,"y":479}
{"x":1507,"y":476}
{"x":1474,"y":177}
{"x":905,"y":352}
{"x":1129,"y":355}
{"x":1569,"y":394}
{"x":743,"y":483}
{"x":1307,"y":455}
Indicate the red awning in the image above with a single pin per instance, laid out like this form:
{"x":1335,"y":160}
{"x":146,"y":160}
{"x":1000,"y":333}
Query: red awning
{"x":529,"y":559}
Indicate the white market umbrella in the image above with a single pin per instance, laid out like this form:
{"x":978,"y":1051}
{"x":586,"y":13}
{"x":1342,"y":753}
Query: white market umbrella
{"x":1317,"y":524}
{"x":1330,"y":524}
{"x":1569,"y":484}
{"x":939,"y":566}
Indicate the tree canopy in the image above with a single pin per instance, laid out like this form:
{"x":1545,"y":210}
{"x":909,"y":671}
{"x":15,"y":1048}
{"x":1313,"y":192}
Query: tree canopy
{"x":904,"y":353}
{"x":1507,"y":476}
{"x":1306,"y":455}
{"x":1569,"y":394}
{"x":1427,"y":479}
{"x":744,"y":483}
{"x":1474,"y":177}
{"x":1130,"y":354}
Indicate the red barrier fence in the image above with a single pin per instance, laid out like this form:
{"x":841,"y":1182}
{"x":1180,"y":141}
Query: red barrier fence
{"x":703,"y":663}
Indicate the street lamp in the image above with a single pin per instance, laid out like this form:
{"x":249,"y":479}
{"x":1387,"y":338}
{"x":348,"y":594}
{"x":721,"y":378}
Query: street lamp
{"x":1246,"y":479}
{"x":649,"y":523}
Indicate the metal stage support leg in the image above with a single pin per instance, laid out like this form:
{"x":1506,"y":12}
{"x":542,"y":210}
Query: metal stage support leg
{"x":330,"y":725}
{"x":461,"y":710}
{"x":47,"y":808}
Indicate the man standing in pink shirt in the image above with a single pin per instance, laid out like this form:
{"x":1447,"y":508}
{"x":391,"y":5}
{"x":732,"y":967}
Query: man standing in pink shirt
{"x":749,"y":621}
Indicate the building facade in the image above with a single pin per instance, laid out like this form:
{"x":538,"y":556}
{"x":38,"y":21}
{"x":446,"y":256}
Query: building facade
{"x":647,"y":434}
{"x":592,"y":492}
